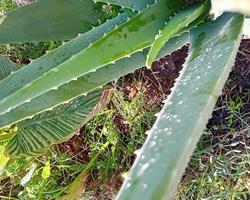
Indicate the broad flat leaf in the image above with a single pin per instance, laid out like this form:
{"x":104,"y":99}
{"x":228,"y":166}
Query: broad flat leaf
{"x":35,"y":135}
{"x":6,"y":67}
{"x":3,"y":160}
{"x":132,"y":4}
{"x":46,"y":170}
{"x":48,"y":20}
{"x":82,"y":64}
{"x":101,"y":77}
{"x":6,"y":134}
{"x":170,"y":143}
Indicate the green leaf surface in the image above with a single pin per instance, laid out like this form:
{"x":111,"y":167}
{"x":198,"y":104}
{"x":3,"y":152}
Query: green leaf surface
{"x":6,"y":67}
{"x":46,"y":170}
{"x":6,"y":136}
{"x":170,"y":143}
{"x":137,"y":5}
{"x":175,"y":26}
{"x":246,"y":29}
{"x":46,"y":20}
{"x":35,"y":135}
{"x":53,"y":58}
{"x":134,"y":35}
{"x":87,"y":83}
{"x":3,"y":160}
{"x":240,"y":6}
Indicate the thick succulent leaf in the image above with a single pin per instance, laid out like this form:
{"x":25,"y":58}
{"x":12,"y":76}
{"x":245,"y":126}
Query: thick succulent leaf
{"x":246,"y":29}
{"x":53,"y":58}
{"x":219,"y":6}
{"x":35,"y":135}
{"x":86,"y":83}
{"x":48,"y":20}
{"x":176,"y":26}
{"x":134,"y":35}
{"x":170,"y":143}
{"x":6,"y":67}
{"x":137,"y":5}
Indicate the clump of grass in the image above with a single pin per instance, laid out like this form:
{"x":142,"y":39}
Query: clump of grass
{"x":63,"y":171}
{"x":218,"y":168}
{"x":23,"y":54}
{"x":123,"y":125}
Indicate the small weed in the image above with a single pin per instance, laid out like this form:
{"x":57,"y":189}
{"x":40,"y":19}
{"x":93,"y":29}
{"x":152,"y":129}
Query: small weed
{"x":124,"y":125}
{"x":6,"y":5}
{"x":24,"y":53}
{"x":219,"y":167}
{"x":234,"y":108}
{"x":63,"y":171}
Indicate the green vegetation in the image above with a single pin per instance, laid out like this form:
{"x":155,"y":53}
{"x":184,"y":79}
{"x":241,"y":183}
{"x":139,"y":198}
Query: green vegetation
{"x":218,"y":170}
{"x":57,"y":92}
{"x":210,"y":173}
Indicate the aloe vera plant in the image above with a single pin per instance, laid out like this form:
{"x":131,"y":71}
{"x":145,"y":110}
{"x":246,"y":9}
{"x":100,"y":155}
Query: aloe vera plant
{"x":35,"y":100}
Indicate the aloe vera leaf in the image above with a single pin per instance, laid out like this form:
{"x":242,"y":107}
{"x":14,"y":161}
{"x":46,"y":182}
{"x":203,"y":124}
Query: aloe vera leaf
{"x":46,"y":20}
{"x":6,"y":67}
{"x":132,"y":36}
{"x":175,"y":26}
{"x":246,"y":29}
{"x":86,"y":83}
{"x":170,"y":143}
{"x":137,"y":5}
{"x":35,"y":135}
{"x":53,"y":58}
{"x":242,"y":6}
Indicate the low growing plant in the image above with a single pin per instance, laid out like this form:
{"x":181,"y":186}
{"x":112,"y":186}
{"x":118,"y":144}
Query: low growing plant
{"x":46,"y":101}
